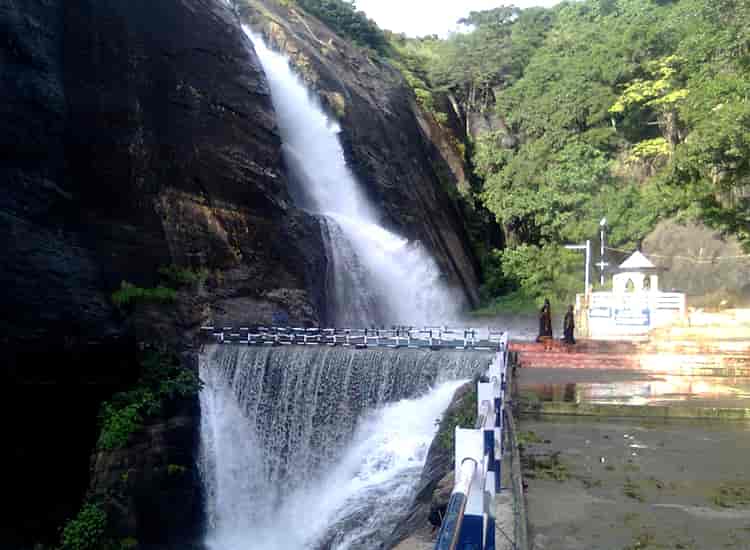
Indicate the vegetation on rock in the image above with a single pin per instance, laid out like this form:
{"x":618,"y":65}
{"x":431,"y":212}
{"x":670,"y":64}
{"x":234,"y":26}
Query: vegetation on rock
{"x":343,"y":17}
{"x":162,"y":379}
{"x":129,"y":294}
{"x":463,"y":415}
{"x":172,"y":276}
{"x":86,"y":530}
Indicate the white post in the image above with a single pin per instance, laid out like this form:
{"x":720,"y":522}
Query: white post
{"x":601,"y":259}
{"x":588,"y":264}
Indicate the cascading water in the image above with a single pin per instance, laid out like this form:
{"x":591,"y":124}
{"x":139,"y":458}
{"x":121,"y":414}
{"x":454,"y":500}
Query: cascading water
{"x":398,"y":275}
{"x":306,"y":445}
{"x":318,"y":447}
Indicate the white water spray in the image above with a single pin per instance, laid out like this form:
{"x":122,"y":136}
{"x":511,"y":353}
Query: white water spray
{"x":399,"y":275}
{"x":347,"y":459}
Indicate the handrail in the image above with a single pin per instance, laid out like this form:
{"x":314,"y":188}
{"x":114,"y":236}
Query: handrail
{"x":395,"y":337}
{"x":450,"y":531}
{"x":469,"y":521}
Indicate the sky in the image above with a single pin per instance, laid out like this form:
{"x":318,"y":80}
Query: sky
{"x":421,"y":17}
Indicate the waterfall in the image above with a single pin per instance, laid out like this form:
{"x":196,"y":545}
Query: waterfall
{"x":399,"y":276}
{"x":322,"y":447}
{"x":302,"y":446}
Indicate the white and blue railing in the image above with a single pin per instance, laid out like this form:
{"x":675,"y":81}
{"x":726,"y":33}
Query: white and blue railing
{"x":469,"y":522}
{"x":396,"y":337}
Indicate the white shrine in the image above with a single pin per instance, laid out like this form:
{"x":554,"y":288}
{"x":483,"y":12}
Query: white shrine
{"x":634,"y":306}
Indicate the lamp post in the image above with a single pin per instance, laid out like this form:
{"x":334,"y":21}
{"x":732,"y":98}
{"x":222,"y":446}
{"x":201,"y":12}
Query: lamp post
{"x":602,"y":264}
{"x":587,"y":248}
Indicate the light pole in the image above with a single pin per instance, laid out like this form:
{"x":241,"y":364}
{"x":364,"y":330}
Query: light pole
{"x":587,"y":248}
{"x":602,"y":264}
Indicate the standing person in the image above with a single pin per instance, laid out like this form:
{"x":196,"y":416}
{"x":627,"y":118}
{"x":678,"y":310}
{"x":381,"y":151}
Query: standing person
{"x":545,"y":322}
{"x":569,"y":326}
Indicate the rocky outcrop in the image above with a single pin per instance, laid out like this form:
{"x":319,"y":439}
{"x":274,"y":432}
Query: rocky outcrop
{"x":135,"y":135}
{"x":711,"y":269}
{"x":391,"y":154}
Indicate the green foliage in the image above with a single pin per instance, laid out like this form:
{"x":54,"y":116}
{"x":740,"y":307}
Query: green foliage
{"x":176,"y":276}
{"x":86,"y":530}
{"x":463,"y":416}
{"x":343,"y":17}
{"x":129,"y":294}
{"x":176,"y":469}
{"x":513,"y":302}
{"x":545,"y":272}
{"x":649,"y":148}
{"x":118,"y":422}
{"x":631,"y":109}
{"x":162,"y":380}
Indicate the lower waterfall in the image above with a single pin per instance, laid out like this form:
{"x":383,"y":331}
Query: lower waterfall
{"x":318,"y":447}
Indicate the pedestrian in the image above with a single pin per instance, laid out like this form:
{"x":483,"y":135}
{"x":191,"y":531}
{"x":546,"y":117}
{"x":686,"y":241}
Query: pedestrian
{"x":569,"y":326}
{"x":545,"y":324}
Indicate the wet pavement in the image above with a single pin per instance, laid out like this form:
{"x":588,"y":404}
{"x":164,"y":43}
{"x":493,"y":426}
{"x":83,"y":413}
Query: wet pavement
{"x":596,"y":483}
{"x":610,"y":466}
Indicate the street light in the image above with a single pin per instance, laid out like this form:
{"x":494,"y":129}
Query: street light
{"x":602,"y":264}
{"x":587,"y":248}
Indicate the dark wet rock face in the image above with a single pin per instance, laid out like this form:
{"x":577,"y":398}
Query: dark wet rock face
{"x":134,"y":135}
{"x":395,"y":153}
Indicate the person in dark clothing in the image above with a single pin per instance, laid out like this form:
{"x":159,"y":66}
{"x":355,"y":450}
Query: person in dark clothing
{"x":569,"y":326}
{"x":545,"y":322}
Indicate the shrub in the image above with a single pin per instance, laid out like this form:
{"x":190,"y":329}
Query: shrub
{"x":129,"y":294}
{"x":86,"y":530}
{"x":344,"y":18}
{"x":162,"y":379}
{"x":178,"y":276}
{"x":463,"y":416}
{"x":118,"y":424}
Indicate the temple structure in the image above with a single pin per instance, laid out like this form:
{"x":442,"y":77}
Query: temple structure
{"x":633,"y":307}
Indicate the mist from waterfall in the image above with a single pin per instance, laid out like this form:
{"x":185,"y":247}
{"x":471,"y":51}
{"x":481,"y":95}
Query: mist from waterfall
{"x":397,"y":282}
{"x":305,"y":448}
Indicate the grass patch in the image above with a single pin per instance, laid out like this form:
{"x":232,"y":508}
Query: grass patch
{"x":591,"y":483}
{"x":644,"y":540}
{"x":517,"y":302}
{"x":732,"y":496}
{"x":527,"y":438}
{"x":546,"y":467}
{"x":633,"y":490}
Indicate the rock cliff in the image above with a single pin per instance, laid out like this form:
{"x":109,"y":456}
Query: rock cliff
{"x":709,"y":267}
{"x":135,"y":135}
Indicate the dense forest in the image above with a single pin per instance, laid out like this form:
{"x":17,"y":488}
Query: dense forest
{"x":633,"y":110}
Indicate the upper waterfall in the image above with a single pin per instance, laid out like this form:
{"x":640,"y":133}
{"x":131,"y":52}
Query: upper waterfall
{"x":397,"y":275}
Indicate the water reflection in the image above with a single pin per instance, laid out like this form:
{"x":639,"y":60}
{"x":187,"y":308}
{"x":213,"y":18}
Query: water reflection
{"x":662,"y":390}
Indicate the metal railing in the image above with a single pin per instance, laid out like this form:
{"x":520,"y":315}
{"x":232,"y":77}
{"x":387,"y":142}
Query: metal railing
{"x":396,"y":337}
{"x":469,"y":521}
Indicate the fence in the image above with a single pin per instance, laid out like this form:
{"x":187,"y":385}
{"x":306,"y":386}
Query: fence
{"x":469,"y":522}
{"x":396,"y":337}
